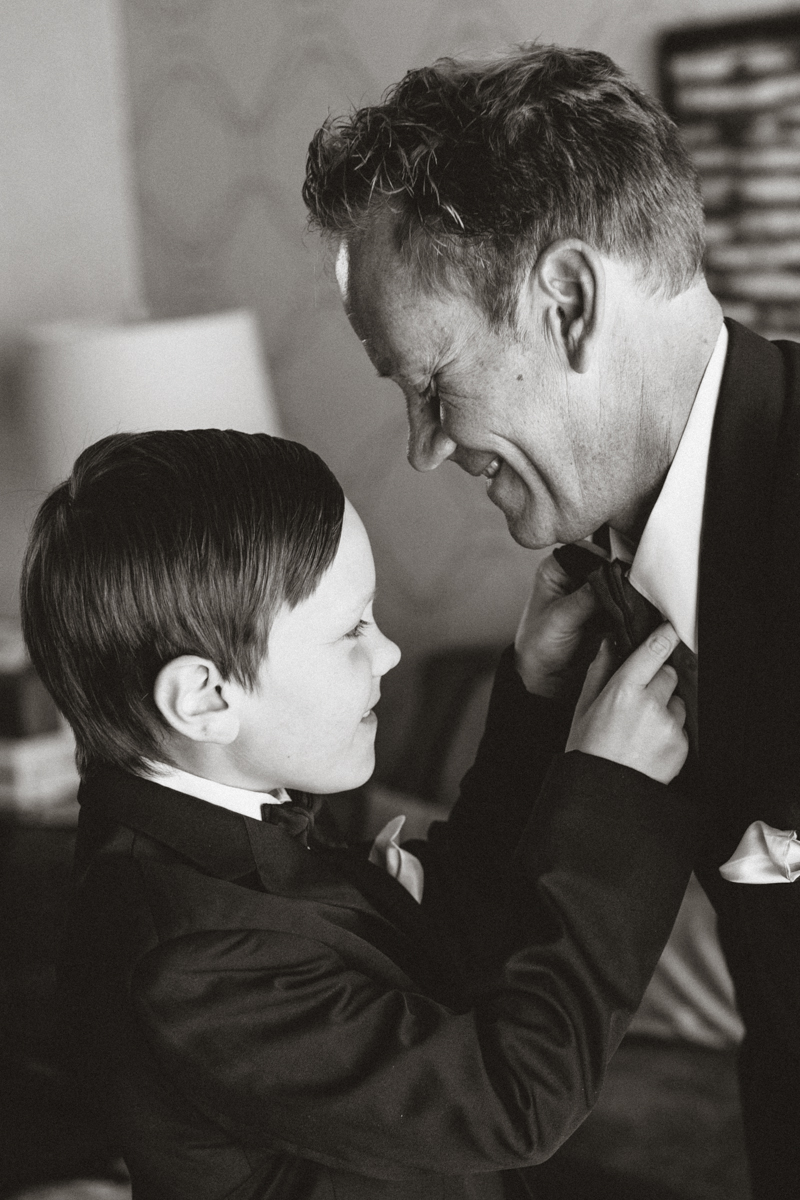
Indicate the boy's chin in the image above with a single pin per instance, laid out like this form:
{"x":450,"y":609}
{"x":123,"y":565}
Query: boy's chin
{"x":346,"y":780}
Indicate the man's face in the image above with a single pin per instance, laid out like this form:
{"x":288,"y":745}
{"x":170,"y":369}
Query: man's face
{"x":502,"y":405}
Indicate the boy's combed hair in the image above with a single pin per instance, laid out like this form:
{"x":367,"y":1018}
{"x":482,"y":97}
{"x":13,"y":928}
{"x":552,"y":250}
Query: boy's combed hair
{"x":162,"y":544}
{"x":484,"y":164}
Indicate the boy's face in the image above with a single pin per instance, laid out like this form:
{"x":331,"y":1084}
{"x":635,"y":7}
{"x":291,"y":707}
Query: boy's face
{"x":308,"y":723}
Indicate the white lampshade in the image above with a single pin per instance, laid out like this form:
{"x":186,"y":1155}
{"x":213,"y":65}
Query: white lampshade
{"x":80,"y":382}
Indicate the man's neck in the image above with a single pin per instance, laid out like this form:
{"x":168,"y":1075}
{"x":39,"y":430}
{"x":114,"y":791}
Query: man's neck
{"x":674,"y":341}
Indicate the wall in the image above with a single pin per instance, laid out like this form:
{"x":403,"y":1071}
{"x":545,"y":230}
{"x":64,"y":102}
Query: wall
{"x":226,"y":95}
{"x":68,"y":234}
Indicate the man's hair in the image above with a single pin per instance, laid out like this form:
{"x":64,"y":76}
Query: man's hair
{"x":162,"y":544}
{"x":484,"y":164}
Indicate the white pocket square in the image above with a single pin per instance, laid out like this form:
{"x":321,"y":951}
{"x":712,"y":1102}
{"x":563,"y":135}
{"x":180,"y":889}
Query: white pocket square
{"x":405,"y":867}
{"x":764,"y":855}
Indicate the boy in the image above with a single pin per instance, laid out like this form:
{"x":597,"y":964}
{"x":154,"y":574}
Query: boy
{"x":262,"y":1013}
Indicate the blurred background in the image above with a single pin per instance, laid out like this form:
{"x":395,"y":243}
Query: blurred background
{"x":151,"y":158}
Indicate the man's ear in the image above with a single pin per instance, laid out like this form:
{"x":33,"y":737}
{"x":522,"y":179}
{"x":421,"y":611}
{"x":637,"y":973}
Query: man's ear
{"x":570,"y":279}
{"x":195,"y":701}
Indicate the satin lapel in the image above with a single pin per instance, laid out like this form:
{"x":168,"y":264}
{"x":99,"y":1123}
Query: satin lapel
{"x":733,"y":592}
{"x":221,"y":843}
{"x":228,"y":846}
{"x":779,"y":732}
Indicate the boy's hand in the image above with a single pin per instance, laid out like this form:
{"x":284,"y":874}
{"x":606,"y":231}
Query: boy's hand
{"x":551,"y":628}
{"x":632,"y":716}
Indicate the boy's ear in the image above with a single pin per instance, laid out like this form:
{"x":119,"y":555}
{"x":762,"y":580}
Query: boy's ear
{"x":570,"y":280}
{"x":192,"y":697}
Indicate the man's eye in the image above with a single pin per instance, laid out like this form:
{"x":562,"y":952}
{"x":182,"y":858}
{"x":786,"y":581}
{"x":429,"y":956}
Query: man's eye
{"x":430,"y":395}
{"x":358,"y":630}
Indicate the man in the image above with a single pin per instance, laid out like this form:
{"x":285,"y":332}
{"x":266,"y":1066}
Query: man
{"x":519,"y":246}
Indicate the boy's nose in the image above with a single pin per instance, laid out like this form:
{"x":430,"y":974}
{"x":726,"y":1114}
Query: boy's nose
{"x":387,"y":655}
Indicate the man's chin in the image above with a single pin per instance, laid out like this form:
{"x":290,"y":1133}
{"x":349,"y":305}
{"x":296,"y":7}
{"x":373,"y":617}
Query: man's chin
{"x":524,"y":531}
{"x":519,"y":509}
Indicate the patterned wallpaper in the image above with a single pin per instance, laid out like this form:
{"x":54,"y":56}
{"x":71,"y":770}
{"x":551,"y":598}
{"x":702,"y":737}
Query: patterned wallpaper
{"x":225,"y":95}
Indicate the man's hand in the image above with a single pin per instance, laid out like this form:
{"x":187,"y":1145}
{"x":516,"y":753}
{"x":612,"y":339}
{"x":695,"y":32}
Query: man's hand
{"x":551,"y":628}
{"x":632,"y":716}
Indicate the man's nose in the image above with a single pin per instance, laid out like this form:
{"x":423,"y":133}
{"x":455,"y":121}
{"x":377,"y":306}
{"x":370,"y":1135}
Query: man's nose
{"x":428,"y":444}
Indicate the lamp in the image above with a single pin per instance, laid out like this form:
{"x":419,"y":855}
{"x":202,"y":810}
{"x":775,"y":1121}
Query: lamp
{"x":79,"y":382}
{"x":82,"y":381}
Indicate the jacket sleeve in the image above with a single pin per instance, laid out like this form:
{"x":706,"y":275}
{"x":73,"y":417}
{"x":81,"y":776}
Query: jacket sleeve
{"x":291,"y":1044}
{"x":469,"y":882}
{"x":523,"y":734}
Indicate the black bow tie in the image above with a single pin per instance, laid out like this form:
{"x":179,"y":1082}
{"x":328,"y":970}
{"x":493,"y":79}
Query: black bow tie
{"x":630,"y":617}
{"x":297,"y":815}
{"x":306,"y":818}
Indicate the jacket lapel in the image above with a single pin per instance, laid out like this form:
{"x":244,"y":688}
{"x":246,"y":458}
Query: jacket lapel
{"x":234,"y":848}
{"x":778,"y":733}
{"x":219,"y":842}
{"x":734,"y":595}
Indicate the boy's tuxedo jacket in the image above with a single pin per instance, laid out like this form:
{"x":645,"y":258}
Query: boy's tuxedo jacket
{"x":257,"y":1019}
{"x":749,"y":723}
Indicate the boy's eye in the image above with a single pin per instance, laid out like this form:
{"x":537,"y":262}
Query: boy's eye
{"x":358,"y":630}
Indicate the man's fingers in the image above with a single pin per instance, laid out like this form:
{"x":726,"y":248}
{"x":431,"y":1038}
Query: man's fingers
{"x":641,"y":667}
{"x":581,"y":604}
{"x":553,"y":578}
{"x":600,"y":671}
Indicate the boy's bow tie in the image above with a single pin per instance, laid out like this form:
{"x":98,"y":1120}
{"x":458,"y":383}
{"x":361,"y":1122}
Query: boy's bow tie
{"x":297,"y":816}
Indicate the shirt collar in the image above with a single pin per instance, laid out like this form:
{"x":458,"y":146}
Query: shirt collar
{"x":238,"y":800}
{"x":666,"y":563}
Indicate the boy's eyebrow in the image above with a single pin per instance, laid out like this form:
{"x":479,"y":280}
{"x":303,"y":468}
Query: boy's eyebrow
{"x":365,"y":600}
{"x":358,"y":607}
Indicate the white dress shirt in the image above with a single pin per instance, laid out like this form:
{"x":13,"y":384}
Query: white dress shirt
{"x":238,"y":800}
{"x":667,"y":560}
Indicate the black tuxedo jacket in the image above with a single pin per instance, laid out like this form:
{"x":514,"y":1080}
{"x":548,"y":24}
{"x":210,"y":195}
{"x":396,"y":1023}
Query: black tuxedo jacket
{"x":749,"y":722}
{"x":261,"y":1020}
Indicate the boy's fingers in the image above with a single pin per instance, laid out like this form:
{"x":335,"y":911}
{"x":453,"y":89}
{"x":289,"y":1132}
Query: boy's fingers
{"x":663,"y":683}
{"x":600,"y":671}
{"x":678,"y":710}
{"x":641,"y":667}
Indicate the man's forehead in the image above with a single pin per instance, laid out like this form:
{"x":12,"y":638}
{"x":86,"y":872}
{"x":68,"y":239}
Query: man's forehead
{"x":373,"y":284}
{"x":342,"y":269}
{"x":404,"y":327}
